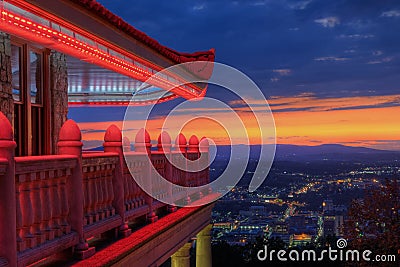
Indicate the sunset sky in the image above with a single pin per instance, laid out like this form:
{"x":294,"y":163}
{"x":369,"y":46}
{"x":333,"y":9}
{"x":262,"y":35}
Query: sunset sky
{"x":329,"y":69}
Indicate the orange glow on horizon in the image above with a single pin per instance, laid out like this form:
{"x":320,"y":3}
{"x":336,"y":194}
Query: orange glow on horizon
{"x":302,"y":120}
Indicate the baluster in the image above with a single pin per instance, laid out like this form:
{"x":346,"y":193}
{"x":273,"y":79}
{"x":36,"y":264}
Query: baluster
{"x":91,"y":194}
{"x":108,"y":189}
{"x":55,"y":205}
{"x":94,"y":196}
{"x":62,"y":191}
{"x":107,"y":174}
{"x":137,"y":196}
{"x":134,"y":193}
{"x":142,"y":194}
{"x":127,"y":192}
{"x":86,"y":196}
{"x":20,"y":242}
{"x":111,"y":190}
{"x":130,"y":190}
{"x":27,"y":216}
{"x":100,"y":196}
{"x":107,"y":206}
{"x":36,"y":207}
{"x":106,"y":195}
{"x":46,"y":212}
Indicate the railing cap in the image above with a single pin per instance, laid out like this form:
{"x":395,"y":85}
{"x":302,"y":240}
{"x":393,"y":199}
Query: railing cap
{"x":204,"y":142}
{"x":142,"y":136}
{"x":70,"y":131}
{"x":193,"y":141}
{"x":164,"y":138}
{"x":180,"y":140}
{"x":113,"y":134}
{"x":6,"y":132}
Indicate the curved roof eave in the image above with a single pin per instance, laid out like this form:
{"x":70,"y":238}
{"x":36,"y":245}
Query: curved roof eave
{"x":178,"y":57}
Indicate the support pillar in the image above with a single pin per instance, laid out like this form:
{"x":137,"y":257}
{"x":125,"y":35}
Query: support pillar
{"x":58,"y":95}
{"x":8,"y":241}
{"x":181,"y":258}
{"x":203,"y":247}
{"x":6,"y":98}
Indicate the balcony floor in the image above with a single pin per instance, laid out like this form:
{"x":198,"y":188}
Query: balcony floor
{"x":148,"y":245}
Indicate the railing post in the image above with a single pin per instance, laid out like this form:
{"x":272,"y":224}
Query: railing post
{"x":143,"y":144}
{"x":8,"y":238}
{"x":181,"y":145}
{"x":164,"y":145}
{"x":204,"y":148}
{"x":193,"y":148}
{"x":70,"y":144}
{"x":113,"y":143}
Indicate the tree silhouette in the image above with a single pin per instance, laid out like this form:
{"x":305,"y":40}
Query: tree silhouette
{"x":374,"y":222}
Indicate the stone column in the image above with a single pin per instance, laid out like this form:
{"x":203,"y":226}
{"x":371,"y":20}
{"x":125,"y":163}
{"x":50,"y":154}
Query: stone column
{"x":58,"y":95}
{"x":181,"y":258}
{"x":6,"y":98}
{"x":203,"y":247}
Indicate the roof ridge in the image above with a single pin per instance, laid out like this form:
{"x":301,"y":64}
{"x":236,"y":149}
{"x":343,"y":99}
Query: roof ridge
{"x":178,"y":57}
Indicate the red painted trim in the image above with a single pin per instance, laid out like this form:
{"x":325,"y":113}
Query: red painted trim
{"x":123,"y":103}
{"x":16,"y":24}
{"x":99,"y":10}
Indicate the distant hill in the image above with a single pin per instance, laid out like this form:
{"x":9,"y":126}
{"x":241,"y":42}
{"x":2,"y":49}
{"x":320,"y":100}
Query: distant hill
{"x":327,"y":152}
{"x":333,"y":152}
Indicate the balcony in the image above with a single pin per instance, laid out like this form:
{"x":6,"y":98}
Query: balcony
{"x":55,"y":203}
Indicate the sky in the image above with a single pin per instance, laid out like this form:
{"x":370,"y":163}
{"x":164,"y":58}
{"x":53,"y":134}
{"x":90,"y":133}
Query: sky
{"x":330,"y":69}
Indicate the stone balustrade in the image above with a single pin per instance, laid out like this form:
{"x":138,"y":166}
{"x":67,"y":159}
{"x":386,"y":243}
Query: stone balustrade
{"x":41,"y":190}
{"x":52,"y":203}
{"x":98,"y":172}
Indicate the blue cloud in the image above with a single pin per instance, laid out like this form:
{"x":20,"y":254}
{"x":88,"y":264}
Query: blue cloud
{"x":260,"y":35}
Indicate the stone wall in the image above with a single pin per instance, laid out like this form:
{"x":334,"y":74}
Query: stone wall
{"x":6,"y":99}
{"x":58,"y":95}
